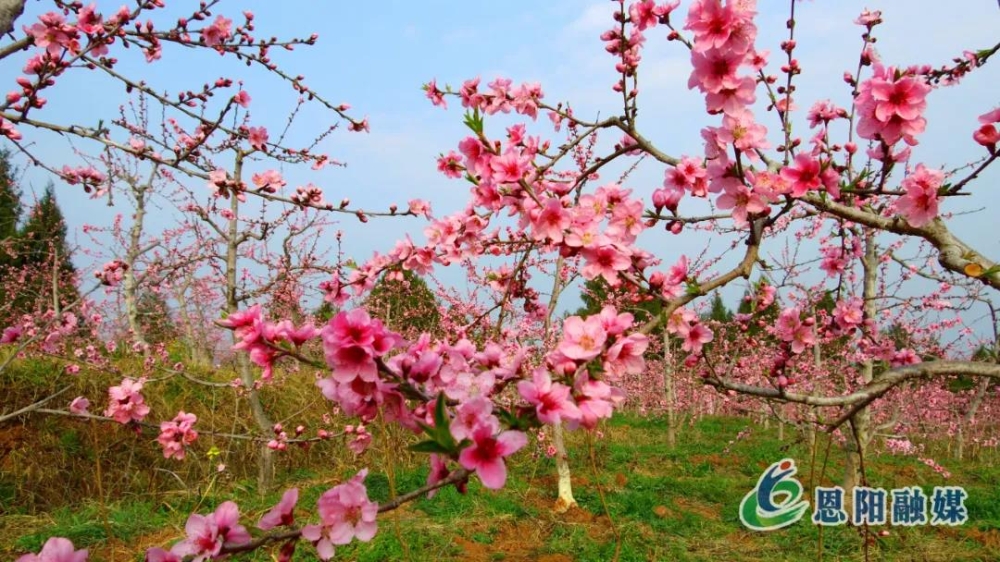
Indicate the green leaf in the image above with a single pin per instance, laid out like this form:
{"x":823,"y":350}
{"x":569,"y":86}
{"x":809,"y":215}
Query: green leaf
{"x":427,"y":429}
{"x":474,"y":121}
{"x":511,"y":420}
{"x":440,"y":413}
{"x":991,"y":271}
{"x":439,"y":435}
{"x":429,"y":447}
{"x":693,"y":288}
{"x":443,"y":424}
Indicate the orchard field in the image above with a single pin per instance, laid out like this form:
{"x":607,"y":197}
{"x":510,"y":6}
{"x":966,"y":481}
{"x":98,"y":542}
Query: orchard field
{"x":626,"y":280}
{"x":665,"y":503}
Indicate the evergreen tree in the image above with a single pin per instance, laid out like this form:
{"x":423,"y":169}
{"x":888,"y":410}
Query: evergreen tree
{"x":10,"y":217}
{"x":597,"y":293}
{"x":324,"y":313}
{"x":748,"y":306}
{"x":406,"y":306}
{"x":156,"y":318}
{"x":826,"y":304}
{"x":10,"y":203}
{"x":718,"y":311}
{"x":594,"y":296}
{"x":42,"y":250}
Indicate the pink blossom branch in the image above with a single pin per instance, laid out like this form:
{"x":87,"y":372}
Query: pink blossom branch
{"x":876,"y":388}
{"x":953,"y":254}
{"x":149,"y":425}
{"x":455,"y":477}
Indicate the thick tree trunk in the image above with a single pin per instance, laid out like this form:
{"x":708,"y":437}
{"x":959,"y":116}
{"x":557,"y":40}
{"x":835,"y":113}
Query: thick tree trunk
{"x":131,"y":283}
{"x":10,"y":10}
{"x":565,"y":501}
{"x":265,"y":464}
{"x":265,"y":467}
{"x":811,"y":431}
{"x":859,"y":433}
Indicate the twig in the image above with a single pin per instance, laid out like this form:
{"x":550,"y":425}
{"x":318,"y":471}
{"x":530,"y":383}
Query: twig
{"x":32,"y":407}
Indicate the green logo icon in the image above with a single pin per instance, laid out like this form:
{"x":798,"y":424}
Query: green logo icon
{"x":776,"y":501}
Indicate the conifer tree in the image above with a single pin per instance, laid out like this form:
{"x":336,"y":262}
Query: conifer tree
{"x":597,"y":293}
{"x":718,"y":310}
{"x":10,"y":202}
{"x":156,"y":318}
{"x":748,"y":306}
{"x":10,"y":217}
{"x":406,"y":305}
{"x":43,"y":253}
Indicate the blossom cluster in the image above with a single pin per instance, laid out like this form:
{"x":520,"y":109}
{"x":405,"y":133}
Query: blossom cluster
{"x":177,"y":434}
{"x":126,"y":403}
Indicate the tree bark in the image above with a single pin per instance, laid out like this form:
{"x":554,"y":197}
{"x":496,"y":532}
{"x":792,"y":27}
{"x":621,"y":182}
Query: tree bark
{"x":265,"y":466}
{"x":857,"y":441}
{"x":565,"y":500}
{"x":10,"y":10}
{"x":131,"y":283}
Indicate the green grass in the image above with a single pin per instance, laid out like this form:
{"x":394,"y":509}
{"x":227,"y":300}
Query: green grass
{"x":664,"y":504}
{"x":90,"y":524}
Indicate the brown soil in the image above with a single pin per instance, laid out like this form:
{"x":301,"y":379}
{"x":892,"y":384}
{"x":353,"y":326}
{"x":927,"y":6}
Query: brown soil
{"x":717,"y":460}
{"x":621,"y":480}
{"x":990,"y":537}
{"x":520,"y":540}
{"x":517,"y":540}
{"x":11,"y":439}
{"x":700,"y":508}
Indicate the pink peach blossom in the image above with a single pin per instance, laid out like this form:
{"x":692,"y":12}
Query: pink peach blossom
{"x":582,"y":340}
{"x":345,"y":514}
{"x":282,"y":514}
{"x":485,"y":455}
{"x":56,"y":549}
{"x":551,"y":400}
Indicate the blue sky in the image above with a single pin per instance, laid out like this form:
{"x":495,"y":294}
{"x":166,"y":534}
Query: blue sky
{"x":376,"y":56}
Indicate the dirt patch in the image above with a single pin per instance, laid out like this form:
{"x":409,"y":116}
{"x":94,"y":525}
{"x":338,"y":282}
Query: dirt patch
{"x":11,"y":439}
{"x":990,"y":537}
{"x":520,"y":540}
{"x":472,"y":550}
{"x":578,"y":516}
{"x":699,"y":508}
{"x":621,"y":480}
{"x":728,"y":460}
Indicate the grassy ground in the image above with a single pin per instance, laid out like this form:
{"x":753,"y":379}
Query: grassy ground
{"x":664,"y":504}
